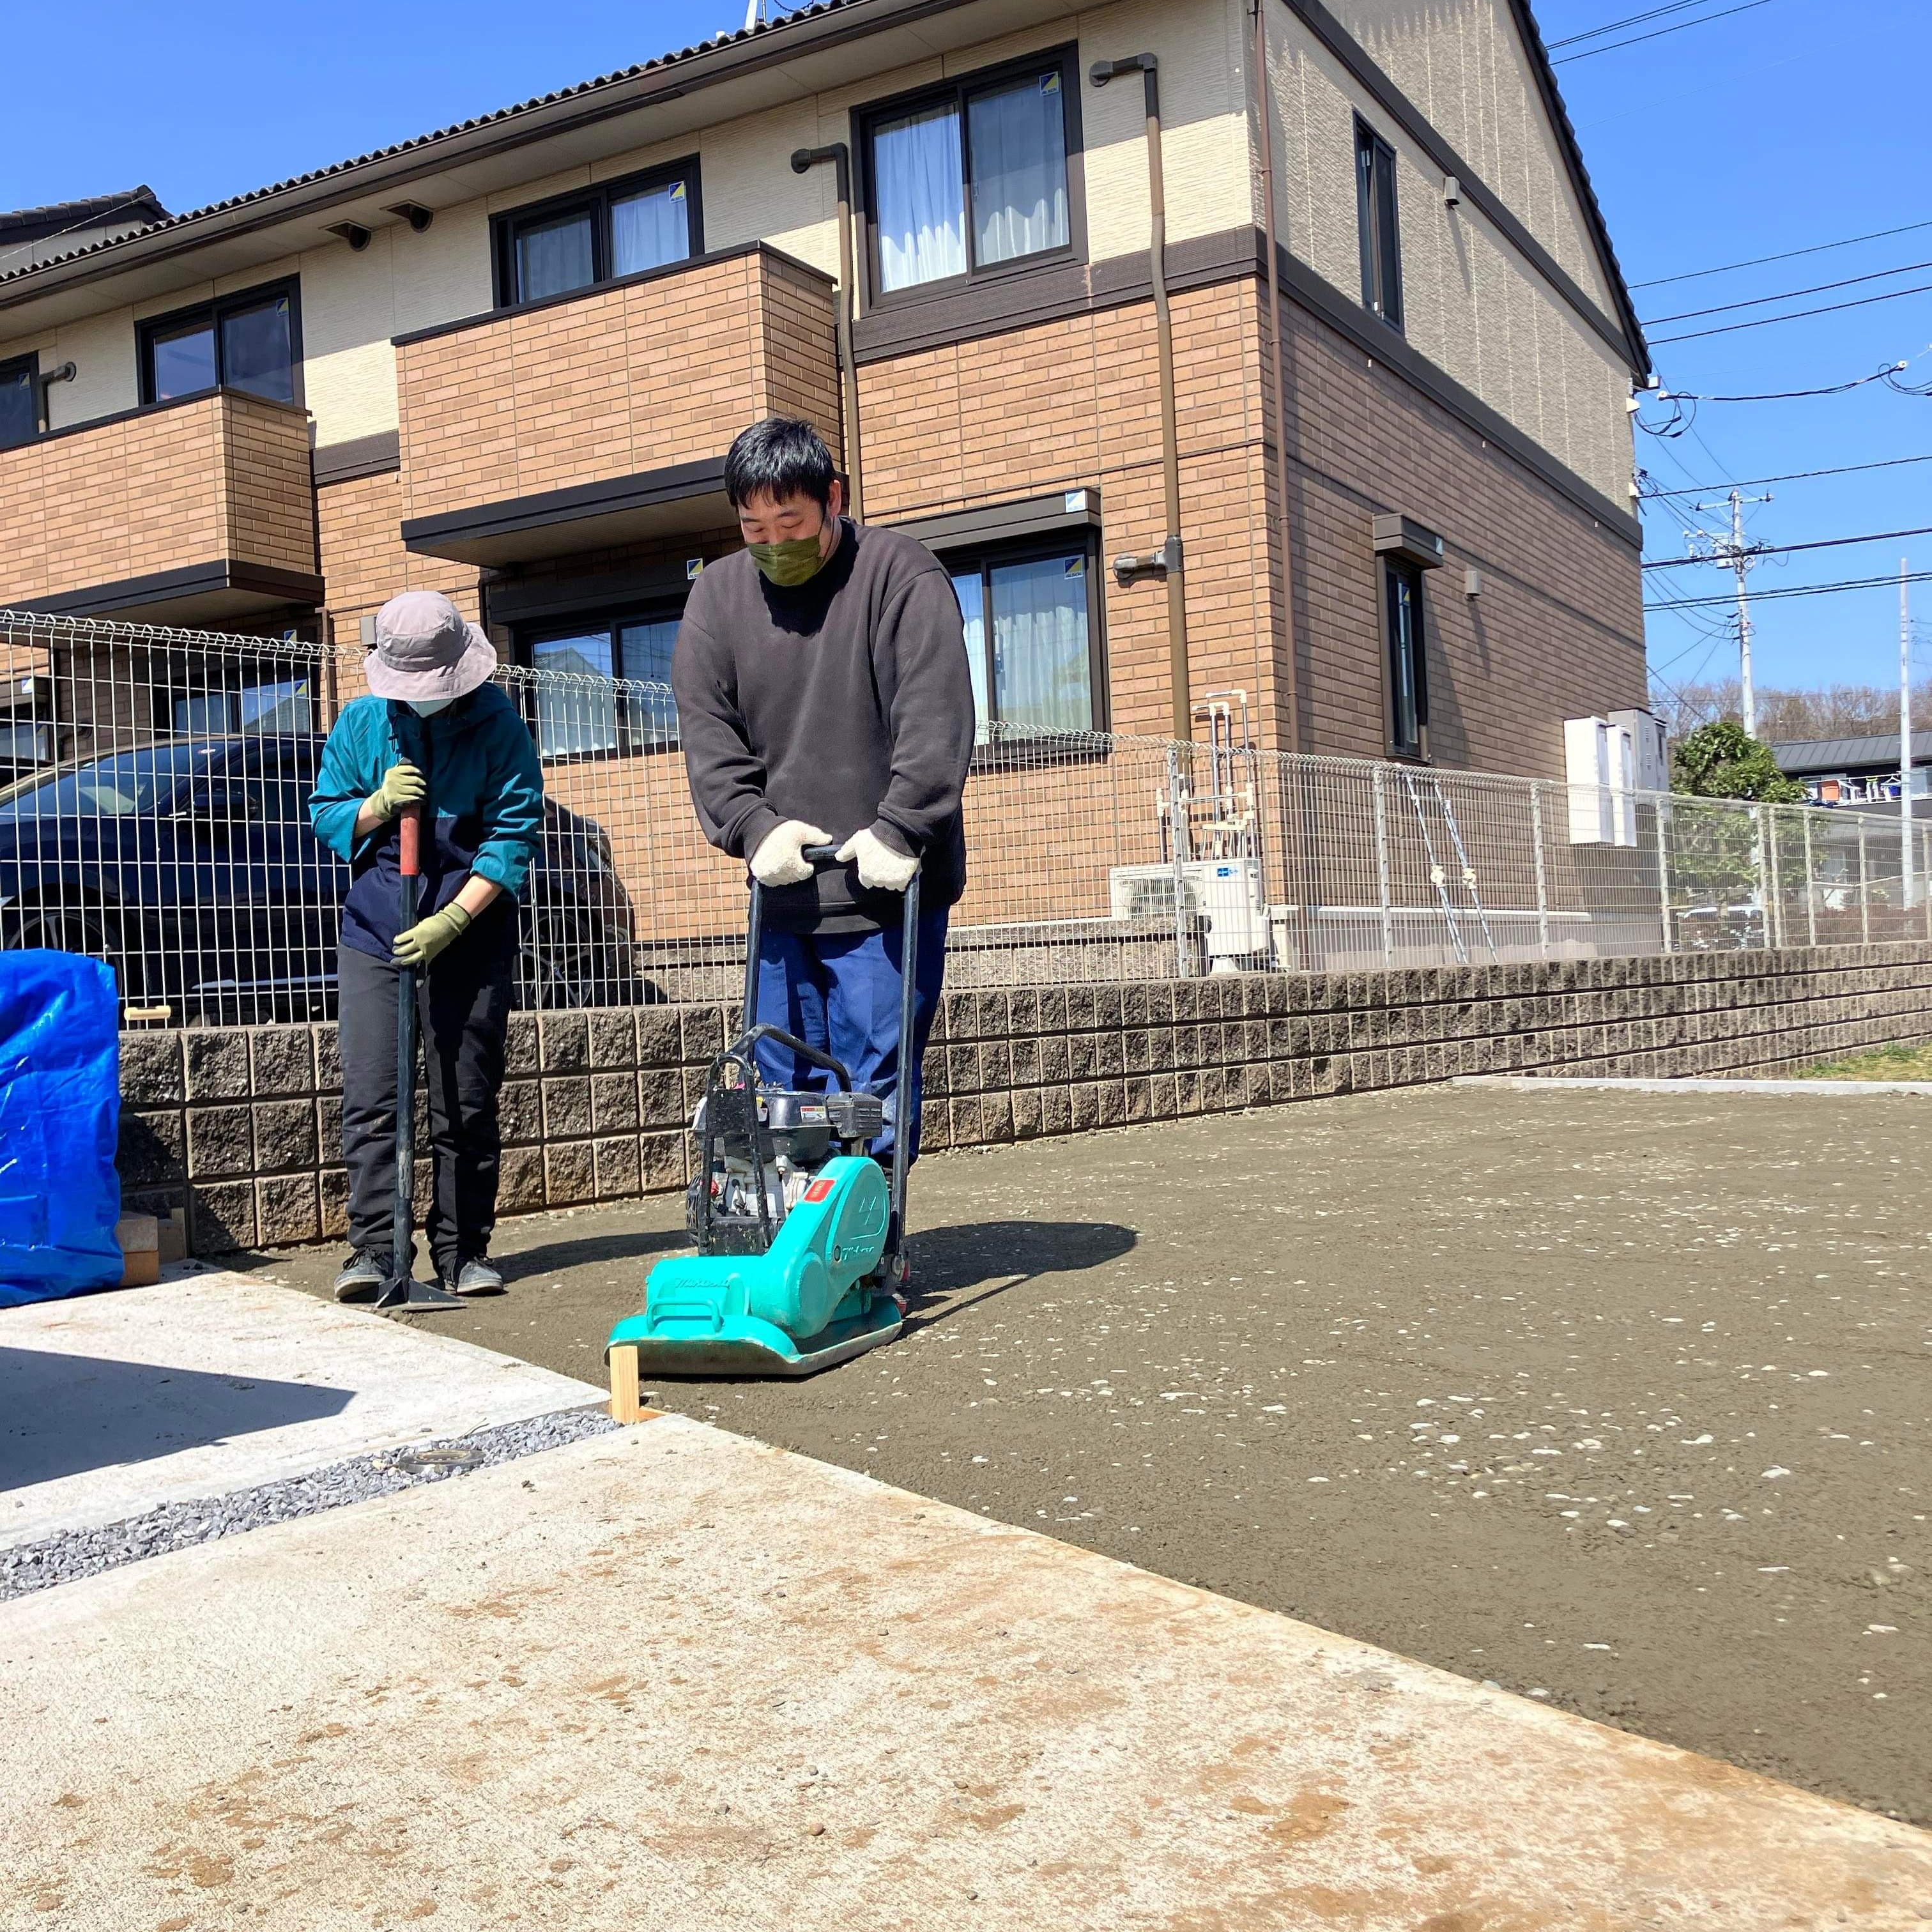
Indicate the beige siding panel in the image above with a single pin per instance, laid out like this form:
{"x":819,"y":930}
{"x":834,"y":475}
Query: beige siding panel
{"x":101,"y":348}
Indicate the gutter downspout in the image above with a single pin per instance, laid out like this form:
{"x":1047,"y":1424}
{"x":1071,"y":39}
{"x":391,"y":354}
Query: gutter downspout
{"x":840,"y":157}
{"x":1170,"y":554}
{"x":1264,"y":104}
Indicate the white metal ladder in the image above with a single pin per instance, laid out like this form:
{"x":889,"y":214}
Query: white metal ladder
{"x":1439,"y":878}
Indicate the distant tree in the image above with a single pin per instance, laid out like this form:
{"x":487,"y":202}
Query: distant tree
{"x":1722,"y":761}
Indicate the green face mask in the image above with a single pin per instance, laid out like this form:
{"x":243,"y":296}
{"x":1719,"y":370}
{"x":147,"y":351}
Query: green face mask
{"x":789,"y":564}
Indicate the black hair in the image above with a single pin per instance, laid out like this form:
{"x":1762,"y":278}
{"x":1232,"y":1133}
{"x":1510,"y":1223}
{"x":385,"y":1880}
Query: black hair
{"x":779,"y":458}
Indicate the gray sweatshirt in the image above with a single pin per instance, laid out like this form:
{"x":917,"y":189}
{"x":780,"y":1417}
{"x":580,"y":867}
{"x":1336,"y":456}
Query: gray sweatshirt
{"x":846,"y":702}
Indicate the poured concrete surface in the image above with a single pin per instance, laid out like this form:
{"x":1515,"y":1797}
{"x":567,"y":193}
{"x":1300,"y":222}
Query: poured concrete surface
{"x":208,"y":1383}
{"x":670,"y":1678}
{"x":1686,"y":1335}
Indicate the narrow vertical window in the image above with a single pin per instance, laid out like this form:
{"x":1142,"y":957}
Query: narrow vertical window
{"x":1376,"y":217}
{"x":1408,"y":670}
{"x":19,"y":403}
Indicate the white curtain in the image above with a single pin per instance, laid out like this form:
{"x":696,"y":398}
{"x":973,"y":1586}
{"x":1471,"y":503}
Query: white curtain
{"x":921,"y":220}
{"x":1019,"y":168}
{"x":1042,"y":671}
{"x":577,"y":702}
{"x":646,"y":651}
{"x":972,"y":596}
{"x":553,"y":258}
{"x":649,"y":229}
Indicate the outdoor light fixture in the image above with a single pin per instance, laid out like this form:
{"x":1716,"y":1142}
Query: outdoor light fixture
{"x":418,"y":216}
{"x":1155,"y":563}
{"x":353,"y":232}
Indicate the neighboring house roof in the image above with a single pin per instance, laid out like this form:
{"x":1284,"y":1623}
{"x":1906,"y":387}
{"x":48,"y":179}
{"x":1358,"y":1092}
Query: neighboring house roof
{"x":1803,"y":757}
{"x":37,"y":224}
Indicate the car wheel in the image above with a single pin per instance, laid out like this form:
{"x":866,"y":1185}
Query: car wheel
{"x":63,"y":929}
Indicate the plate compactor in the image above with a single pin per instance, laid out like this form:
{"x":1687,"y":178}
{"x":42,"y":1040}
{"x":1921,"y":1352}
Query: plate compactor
{"x":799,"y":1238}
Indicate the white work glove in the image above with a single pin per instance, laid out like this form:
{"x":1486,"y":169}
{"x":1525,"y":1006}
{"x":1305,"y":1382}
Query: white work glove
{"x":779,"y":859}
{"x":880,"y":868}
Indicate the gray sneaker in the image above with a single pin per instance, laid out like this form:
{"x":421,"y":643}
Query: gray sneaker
{"x":479,"y":1276}
{"x":367,"y":1271}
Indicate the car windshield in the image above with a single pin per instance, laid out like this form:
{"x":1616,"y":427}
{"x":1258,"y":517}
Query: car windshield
{"x":132,"y":784}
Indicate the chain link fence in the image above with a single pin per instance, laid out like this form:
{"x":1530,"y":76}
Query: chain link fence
{"x":153,"y":788}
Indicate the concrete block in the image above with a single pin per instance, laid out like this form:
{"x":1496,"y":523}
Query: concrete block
{"x":520,"y":1180}
{"x":285,"y":1136}
{"x":1135,"y":1053}
{"x":996,"y":1119}
{"x":1139,"y":1099}
{"x":933,"y":1071}
{"x":1107,"y":1008}
{"x":329,"y":1056}
{"x":1052,"y":1010}
{"x":1054,"y":1061}
{"x":1056,"y":1110}
{"x":151,"y":1070}
{"x":220,"y":1143}
{"x":1084,"y":1096}
{"x":519,"y":1112}
{"x":563,"y":1042}
{"x":996,"y":1066}
{"x":566,"y":1108}
{"x":570,"y":1175}
{"x":1160,"y":1003}
{"x":662,"y":1161}
{"x":963,"y":1117}
{"x":661,"y":1097}
{"x":1023,"y":1061}
{"x":613,"y":1039}
{"x":703,"y":1033}
{"x":1082,"y":1056}
{"x":332,"y":1195}
{"x":1111,"y":1100}
{"x":521,"y":1057}
{"x":1028,"y":1113}
{"x":221,"y":1217}
{"x":660,"y":1041}
{"x":283,"y":1060}
{"x":615,"y":1159}
{"x":1161,"y":1096}
{"x":153,"y":1149}
{"x":1080,"y":1003}
{"x":217,"y":1063}
{"x":613,"y":1103}
{"x":288,"y":1210}
{"x":1022,"y":1013}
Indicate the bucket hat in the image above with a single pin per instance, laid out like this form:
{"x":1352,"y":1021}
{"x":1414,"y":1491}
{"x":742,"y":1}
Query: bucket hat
{"x":425,"y":649}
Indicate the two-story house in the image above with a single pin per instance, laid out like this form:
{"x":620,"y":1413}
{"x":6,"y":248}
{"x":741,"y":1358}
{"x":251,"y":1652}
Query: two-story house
{"x":1361,"y":391}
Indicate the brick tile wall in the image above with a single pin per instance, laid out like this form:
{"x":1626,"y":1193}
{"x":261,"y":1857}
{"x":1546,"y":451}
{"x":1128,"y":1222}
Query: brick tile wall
{"x":241,"y":1126}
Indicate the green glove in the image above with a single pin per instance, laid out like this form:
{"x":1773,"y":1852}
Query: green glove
{"x":421,"y":943}
{"x":402,"y":785}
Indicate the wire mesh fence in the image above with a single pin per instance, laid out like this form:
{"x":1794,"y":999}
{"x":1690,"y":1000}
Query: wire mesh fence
{"x":154,"y":784}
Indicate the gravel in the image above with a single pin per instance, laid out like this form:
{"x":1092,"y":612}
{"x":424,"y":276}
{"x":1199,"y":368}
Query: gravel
{"x":74,"y":1554}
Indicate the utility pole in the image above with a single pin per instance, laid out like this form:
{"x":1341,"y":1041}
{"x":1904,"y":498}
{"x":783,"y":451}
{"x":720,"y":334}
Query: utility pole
{"x":1906,"y":868}
{"x":1736,"y":556}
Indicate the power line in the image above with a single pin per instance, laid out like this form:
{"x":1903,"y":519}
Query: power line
{"x":1786,"y":255}
{"x":1796,"y":315}
{"x":1790,"y":294}
{"x":1785,"y":549}
{"x":1797,"y":590}
{"x":1637,"y":40}
{"x":1612,"y":26}
{"x":1790,"y":476}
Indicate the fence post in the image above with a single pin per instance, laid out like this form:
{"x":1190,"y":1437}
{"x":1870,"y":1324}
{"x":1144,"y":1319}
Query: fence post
{"x":1767,"y":873}
{"x":1662,"y":875}
{"x":1542,"y":881}
{"x":1810,"y":897}
{"x":1382,"y":870}
{"x":1178,"y":812}
{"x":1864,"y":888}
{"x":1923,"y":850}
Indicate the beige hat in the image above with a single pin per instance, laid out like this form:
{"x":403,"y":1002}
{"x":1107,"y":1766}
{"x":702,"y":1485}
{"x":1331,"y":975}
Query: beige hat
{"x":424,"y":649}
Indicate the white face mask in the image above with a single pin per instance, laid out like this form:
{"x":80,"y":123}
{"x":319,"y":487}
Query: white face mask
{"x":427,"y":707}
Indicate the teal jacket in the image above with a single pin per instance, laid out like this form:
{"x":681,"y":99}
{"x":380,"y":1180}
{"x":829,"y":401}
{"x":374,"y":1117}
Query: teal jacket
{"x":485,"y":794}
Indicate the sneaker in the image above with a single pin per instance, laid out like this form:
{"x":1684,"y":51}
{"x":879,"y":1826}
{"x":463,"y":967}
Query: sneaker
{"x":479,"y":1275}
{"x":367,"y":1271}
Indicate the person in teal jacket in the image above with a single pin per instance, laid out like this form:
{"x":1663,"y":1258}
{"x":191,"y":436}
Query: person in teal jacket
{"x":435,"y":732}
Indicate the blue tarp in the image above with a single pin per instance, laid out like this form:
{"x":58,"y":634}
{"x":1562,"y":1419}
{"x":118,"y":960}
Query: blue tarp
{"x":60,"y":1118}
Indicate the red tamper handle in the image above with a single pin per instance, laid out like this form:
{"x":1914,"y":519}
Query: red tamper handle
{"x":409,"y":830}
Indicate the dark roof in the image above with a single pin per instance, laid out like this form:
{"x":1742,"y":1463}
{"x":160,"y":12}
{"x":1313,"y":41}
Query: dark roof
{"x":1579,"y":176}
{"x":787,"y":24}
{"x":138,"y":205}
{"x":1803,"y":756}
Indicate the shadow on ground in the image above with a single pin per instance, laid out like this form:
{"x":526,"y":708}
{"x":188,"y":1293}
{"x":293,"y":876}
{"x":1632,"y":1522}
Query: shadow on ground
{"x":66,"y":1414}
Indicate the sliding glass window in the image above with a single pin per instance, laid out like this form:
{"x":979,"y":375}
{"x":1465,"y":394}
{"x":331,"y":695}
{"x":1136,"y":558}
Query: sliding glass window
{"x":250,"y":341}
{"x":971,"y":177}
{"x":1032,"y":639}
{"x":614,"y":229}
{"x":584,"y":706}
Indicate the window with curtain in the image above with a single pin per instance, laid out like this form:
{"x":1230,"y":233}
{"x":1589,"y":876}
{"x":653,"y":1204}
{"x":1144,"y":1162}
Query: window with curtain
{"x":1375,"y":219}
{"x":1031,"y":639}
{"x":247,"y":341}
{"x":1407,"y":665}
{"x":970,"y":178}
{"x":613,"y":229}
{"x":20,"y":403}
{"x":579,"y":708}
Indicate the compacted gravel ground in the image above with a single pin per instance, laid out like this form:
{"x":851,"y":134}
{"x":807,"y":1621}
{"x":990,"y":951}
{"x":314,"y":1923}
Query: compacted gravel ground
{"x":1618,"y":1400}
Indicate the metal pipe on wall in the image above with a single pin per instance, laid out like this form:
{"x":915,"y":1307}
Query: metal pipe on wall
{"x":837,"y":153}
{"x":1171,"y":552}
{"x":1291,"y":663}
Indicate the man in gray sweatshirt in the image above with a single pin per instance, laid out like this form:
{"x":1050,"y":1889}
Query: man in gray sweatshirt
{"x":824,"y":698}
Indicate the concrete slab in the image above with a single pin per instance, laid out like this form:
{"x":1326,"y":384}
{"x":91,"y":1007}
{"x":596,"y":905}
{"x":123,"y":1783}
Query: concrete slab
{"x":670,"y":1678}
{"x":211,"y":1382}
{"x":1843,"y":1090}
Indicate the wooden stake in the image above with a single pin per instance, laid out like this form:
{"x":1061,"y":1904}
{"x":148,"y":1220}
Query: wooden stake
{"x":625,"y":1406}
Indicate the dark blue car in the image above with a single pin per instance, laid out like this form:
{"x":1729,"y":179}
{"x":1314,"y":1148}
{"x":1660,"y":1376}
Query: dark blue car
{"x":191,"y":867}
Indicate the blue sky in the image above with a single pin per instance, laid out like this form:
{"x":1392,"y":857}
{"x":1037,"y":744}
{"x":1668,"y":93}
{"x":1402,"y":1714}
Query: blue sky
{"x":1791,"y":123}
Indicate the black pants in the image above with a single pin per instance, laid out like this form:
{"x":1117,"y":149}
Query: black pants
{"x":464,"y":1002}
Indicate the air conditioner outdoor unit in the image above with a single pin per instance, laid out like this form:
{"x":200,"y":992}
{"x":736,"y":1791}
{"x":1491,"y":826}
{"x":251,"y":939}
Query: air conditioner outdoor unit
{"x":1227,"y":892}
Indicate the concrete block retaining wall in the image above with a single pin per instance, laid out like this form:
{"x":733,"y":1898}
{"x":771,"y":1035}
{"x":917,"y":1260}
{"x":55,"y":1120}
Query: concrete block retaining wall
{"x":241,"y":1126}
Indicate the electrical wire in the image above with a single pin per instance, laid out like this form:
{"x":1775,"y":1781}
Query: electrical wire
{"x":1796,"y":315}
{"x":1786,"y":255}
{"x":1797,"y":590}
{"x":1613,"y":26}
{"x":1637,"y":40}
{"x":1790,"y":294}
{"x":1785,"y":549}
{"x":1789,"y":476}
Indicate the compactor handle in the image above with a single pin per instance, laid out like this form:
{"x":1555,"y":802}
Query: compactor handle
{"x":408,"y":839}
{"x":819,"y":855}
